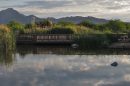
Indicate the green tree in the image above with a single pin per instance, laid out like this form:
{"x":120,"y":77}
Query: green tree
{"x":28,"y":26}
{"x":116,"y":26}
{"x":128,"y":27}
{"x":61,"y":31}
{"x":14,"y":25}
{"x":65,"y":23}
{"x":44,"y":24}
{"x":87,"y":23}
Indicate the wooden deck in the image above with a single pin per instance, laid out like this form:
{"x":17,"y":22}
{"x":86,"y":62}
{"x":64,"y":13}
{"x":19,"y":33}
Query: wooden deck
{"x":44,"y":38}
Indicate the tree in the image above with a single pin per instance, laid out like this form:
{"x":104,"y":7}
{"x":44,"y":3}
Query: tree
{"x":87,"y":23}
{"x":64,"y":23}
{"x":44,"y":24}
{"x":61,"y":31}
{"x":14,"y":25}
{"x":128,"y":27}
{"x":28,"y":26}
{"x":116,"y":26}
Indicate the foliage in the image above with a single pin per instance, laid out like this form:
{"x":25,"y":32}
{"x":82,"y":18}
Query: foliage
{"x":60,"y":31}
{"x":116,"y":26}
{"x":7,"y":45}
{"x":28,"y":26}
{"x":4,"y":29}
{"x":128,"y":27}
{"x":15,"y":26}
{"x":90,"y":35}
{"x":87,"y":24}
{"x":113,"y":26}
{"x":6,"y":37}
{"x":45,"y":23}
{"x":85,"y":27}
{"x":64,"y":23}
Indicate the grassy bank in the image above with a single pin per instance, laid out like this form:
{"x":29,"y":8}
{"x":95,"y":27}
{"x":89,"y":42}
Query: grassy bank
{"x":90,"y":35}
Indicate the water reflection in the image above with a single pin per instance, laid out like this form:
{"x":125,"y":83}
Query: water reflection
{"x":67,"y":70}
{"x":68,"y":50}
{"x":6,"y":56}
{"x":60,"y":66}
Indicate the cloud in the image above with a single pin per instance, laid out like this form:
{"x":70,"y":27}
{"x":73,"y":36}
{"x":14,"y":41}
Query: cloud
{"x":48,"y":4}
{"x":59,"y":8}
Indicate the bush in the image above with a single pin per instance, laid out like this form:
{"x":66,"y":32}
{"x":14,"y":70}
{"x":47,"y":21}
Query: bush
{"x":15,"y":26}
{"x":4,"y":29}
{"x":6,"y":38}
{"x":61,"y":31}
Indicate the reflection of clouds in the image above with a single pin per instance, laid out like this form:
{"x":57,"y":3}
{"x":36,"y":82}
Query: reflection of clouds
{"x":125,"y":59}
{"x":68,"y":70}
{"x":99,"y":83}
{"x":84,"y":67}
{"x":34,"y":82}
{"x":127,"y":77}
{"x":103,"y":82}
{"x":1,"y":73}
{"x":123,"y":83}
{"x":69,"y":62}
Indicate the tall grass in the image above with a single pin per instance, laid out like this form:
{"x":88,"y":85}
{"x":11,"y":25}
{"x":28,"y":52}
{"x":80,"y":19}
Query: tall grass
{"x":7,"y":45}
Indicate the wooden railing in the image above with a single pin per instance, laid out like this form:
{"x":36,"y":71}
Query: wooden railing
{"x":44,"y":38}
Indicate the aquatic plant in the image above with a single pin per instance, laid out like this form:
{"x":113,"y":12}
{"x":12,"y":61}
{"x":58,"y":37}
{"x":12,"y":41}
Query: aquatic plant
{"x":7,"y":45}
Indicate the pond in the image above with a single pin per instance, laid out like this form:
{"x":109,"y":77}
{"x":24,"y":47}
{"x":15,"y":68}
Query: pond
{"x":64,"y":66}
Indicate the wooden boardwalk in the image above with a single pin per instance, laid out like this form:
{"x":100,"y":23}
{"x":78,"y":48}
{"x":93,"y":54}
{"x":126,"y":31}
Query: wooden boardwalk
{"x":44,"y":38}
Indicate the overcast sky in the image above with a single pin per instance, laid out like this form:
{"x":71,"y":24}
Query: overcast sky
{"x":110,"y":9}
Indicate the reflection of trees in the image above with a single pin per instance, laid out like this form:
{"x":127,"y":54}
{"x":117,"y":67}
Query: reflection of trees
{"x":31,"y":49}
{"x":67,"y":50}
{"x":6,"y":57}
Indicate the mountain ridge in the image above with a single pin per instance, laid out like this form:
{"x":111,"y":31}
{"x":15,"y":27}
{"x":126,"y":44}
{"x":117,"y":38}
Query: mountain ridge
{"x":10,"y":14}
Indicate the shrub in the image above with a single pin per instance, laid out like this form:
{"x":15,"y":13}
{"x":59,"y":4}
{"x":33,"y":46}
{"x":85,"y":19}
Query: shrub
{"x":61,"y":31}
{"x":6,"y":38}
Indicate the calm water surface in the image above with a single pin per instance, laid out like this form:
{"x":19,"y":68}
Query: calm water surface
{"x":63,"y":66}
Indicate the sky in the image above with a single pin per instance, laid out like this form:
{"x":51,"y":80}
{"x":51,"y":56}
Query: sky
{"x":109,"y":9}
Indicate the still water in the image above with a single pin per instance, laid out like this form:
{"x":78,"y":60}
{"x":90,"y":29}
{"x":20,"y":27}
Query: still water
{"x":64,"y":66}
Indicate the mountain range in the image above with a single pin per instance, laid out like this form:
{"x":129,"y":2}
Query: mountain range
{"x":10,"y":14}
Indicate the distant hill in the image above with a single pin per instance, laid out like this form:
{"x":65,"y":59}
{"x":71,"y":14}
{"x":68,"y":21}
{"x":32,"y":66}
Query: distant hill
{"x":78,"y":19}
{"x":10,"y":14}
